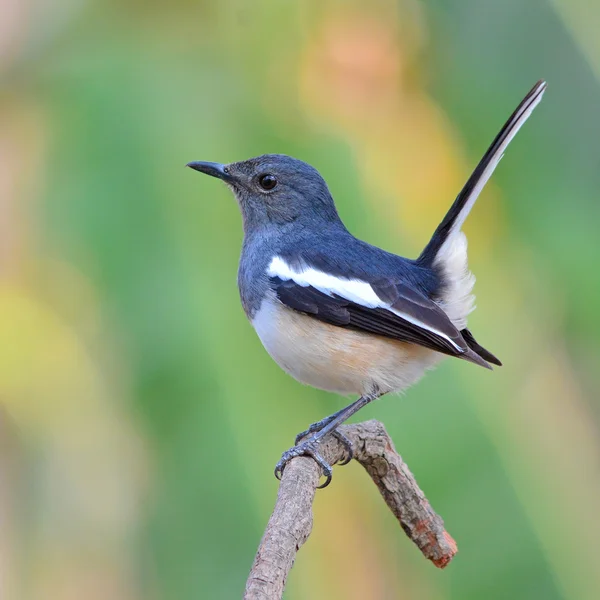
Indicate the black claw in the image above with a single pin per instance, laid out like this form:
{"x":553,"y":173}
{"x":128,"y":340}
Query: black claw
{"x":327,"y":473}
{"x":347,"y":445}
{"x":307,"y":448}
{"x":325,"y":468}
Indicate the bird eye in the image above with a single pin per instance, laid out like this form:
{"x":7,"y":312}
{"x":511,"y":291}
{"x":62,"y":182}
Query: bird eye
{"x":267,"y":181}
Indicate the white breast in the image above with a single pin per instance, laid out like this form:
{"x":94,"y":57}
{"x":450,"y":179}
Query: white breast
{"x":338,"y":359}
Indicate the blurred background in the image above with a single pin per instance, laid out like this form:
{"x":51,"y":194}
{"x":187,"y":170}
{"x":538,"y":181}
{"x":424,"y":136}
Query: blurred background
{"x":140,"y":418}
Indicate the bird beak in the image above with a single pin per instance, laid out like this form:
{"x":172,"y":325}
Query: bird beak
{"x":210,"y":168}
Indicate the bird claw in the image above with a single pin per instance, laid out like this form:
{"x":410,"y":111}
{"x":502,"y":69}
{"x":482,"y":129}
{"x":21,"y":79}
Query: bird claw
{"x":306,"y":448}
{"x":347,"y":445}
{"x":309,"y":448}
{"x":316,"y":427}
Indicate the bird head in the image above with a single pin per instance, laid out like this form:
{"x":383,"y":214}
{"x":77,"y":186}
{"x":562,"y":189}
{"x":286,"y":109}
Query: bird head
{"x":274,"y":189}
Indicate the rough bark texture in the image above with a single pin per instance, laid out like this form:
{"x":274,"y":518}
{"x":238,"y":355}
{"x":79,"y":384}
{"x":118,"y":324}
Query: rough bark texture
{"x":291,"y":521}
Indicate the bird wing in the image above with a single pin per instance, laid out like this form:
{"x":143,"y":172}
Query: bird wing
{"x":385,"y":307}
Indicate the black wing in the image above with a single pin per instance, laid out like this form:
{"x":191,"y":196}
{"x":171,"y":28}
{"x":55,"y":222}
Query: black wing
{"x":425,"y":323}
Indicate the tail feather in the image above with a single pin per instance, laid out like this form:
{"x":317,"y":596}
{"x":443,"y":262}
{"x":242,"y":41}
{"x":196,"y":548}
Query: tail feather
{"x":458,"y":212}
{"x":473,"y":357}
{"x":479,"y":350}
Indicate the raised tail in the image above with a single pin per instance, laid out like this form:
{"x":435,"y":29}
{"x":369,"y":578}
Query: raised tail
{"x":458,"y":212}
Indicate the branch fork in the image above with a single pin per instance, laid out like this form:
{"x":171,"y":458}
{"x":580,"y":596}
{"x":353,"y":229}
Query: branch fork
{"x":291,"y":522}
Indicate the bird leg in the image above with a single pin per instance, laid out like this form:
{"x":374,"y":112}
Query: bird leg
{"x":309,"y":446}
{"x":337,"y":434}
{"x":317,"y":426}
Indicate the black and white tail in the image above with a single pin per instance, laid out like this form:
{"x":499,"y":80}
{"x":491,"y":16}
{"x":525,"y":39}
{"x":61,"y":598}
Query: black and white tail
{"x":447,"y":249}
{"x":459,"y":211}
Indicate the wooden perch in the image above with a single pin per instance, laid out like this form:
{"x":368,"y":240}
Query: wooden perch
{"x":291,"y":521}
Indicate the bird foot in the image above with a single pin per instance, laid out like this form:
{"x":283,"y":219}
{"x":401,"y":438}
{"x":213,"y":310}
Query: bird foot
{"x":316,"y":427}
{"x":309,"y":448}
{"x":306,"y":448}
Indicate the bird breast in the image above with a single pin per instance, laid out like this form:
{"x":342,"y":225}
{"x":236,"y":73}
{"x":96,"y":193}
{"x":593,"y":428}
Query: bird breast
{"x":337,"y":359}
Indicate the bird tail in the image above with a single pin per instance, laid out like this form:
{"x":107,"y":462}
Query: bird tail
{"x":479,"y":351}
{"x":459,"y":211}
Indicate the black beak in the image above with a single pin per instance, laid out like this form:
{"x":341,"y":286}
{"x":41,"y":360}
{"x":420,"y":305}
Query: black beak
{"x":210,"y":168}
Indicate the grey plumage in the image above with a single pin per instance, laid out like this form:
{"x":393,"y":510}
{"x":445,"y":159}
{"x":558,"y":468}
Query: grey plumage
{"x":299,"y":223}
{"x":339,"y":313}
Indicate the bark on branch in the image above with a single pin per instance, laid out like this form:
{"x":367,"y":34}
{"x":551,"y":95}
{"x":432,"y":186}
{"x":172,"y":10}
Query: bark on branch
{"x":291,"y":521}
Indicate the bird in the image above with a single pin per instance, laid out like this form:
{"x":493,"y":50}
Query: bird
{"x":338,"y":313}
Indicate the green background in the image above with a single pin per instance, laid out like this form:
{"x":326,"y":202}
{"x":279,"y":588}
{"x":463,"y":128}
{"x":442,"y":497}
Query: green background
{"x":140,"y":418}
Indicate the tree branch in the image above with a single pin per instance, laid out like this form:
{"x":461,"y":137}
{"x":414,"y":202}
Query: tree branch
{"x":291,"y":521}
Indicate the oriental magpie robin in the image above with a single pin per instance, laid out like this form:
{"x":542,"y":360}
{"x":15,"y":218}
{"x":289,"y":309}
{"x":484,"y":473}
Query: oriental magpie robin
{"x":340,"y":314}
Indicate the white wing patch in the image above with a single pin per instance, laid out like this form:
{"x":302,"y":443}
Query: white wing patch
{"x":354,"y":290}
{"x":351,"y":289}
